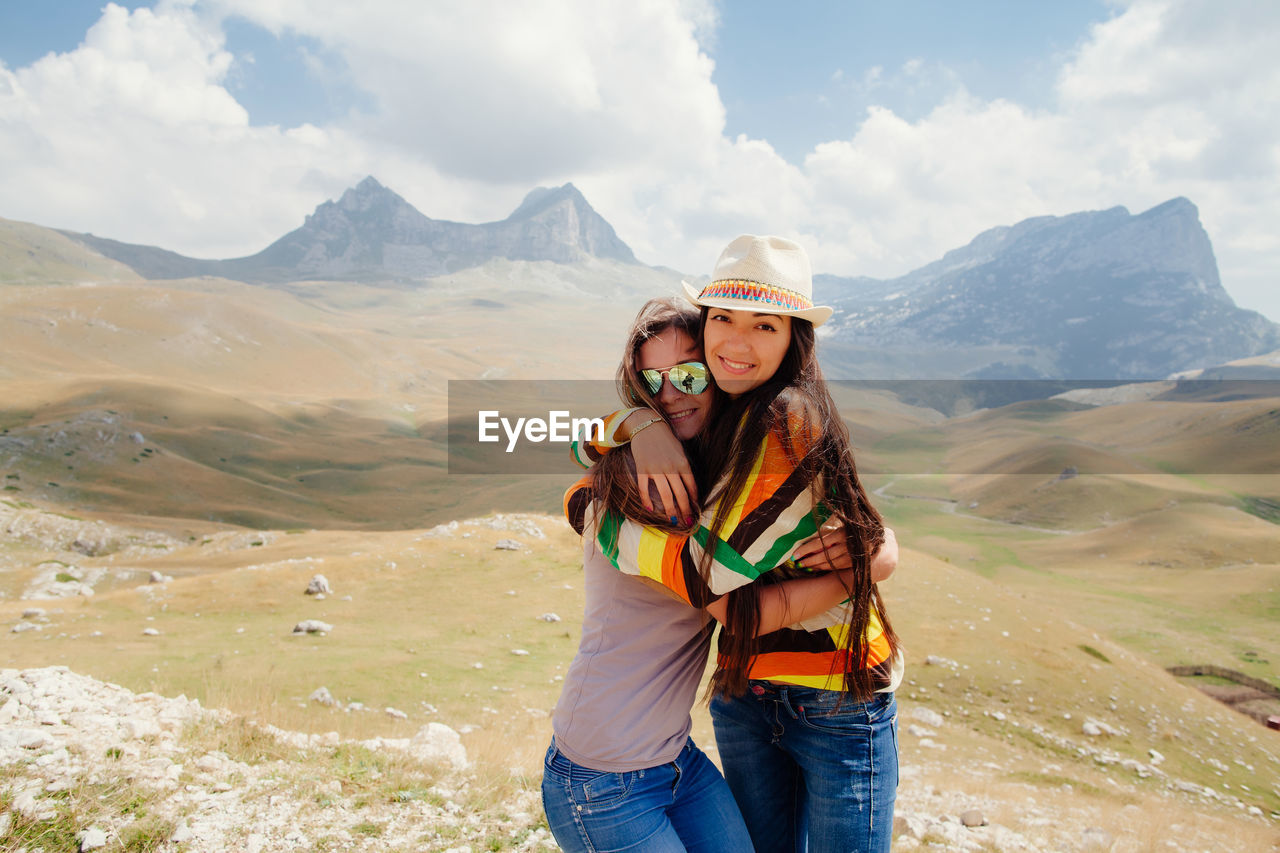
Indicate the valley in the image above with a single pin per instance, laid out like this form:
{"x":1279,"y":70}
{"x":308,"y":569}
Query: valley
{"x":180,"y":458}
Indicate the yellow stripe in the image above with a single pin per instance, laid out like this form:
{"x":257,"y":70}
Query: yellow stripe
{"x":822,"y":682}
{"x":652,"y":546}
{"x":735,"y":512}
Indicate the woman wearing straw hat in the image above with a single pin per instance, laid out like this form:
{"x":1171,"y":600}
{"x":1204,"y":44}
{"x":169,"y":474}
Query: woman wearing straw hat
{"x":805,"y":716}
{"x":622,"y":771}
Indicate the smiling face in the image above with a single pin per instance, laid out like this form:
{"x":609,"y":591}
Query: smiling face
{"x":687,"y":412}
{"x":743,"y":348}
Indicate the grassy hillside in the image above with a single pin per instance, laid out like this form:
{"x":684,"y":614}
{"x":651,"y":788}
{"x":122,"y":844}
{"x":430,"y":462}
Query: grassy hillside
{"x":238,"y":440}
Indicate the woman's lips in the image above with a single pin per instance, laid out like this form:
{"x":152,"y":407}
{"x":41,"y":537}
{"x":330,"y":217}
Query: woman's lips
{"x":735,"y":366}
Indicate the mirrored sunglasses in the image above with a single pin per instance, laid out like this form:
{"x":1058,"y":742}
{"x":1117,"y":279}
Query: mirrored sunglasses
{"x":689,"y":378}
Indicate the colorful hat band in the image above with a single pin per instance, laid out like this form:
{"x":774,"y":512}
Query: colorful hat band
{"x":754,"y":291}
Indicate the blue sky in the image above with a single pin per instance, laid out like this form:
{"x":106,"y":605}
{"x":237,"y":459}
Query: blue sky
{"x":878,"y":134}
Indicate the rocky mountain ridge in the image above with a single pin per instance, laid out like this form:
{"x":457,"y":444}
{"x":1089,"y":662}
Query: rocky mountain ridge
{"x":1094,"y":295}
{"x":373,"y":234}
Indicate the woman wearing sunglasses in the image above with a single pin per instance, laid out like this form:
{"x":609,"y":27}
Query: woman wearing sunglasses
{"x":622,"y":772}
{"x":804,"y":716}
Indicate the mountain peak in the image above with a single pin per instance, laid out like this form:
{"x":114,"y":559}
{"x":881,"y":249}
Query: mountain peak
{"x":365,"y":195}
{"x":541,"y":198}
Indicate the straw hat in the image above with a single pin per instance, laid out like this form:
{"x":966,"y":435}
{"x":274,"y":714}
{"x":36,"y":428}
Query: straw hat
{"x":762,"y":274}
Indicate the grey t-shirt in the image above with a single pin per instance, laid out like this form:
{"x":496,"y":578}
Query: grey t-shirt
{"x":626,"y":700}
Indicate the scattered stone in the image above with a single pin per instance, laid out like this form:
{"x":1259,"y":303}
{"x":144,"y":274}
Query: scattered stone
{"x":1095,"y":728}
{"x":33,"y":613}
{"x":438,"y":742}
{"x":936,"y":660}
{"x":928,"y":716}
{"x":920,"y":731}
{"x":159,"y":577}
{"x":973,"y":817}
{"x":182,"y":834}
{"x":322,"y":696}
{"x":508,"y":545}
{"x":312,"y":626}
{"x":319,"y":585}
{"x":91,"y":839}
{"x":520,"y":653}
{"x":137,"y":438}
{"x":549,"y":617}
{"x":1156,"y":757}
{"x":393,"y":712}
{"x":908,"y":826}
{"x":25,"y":626}
{"x":1096,"y":838}
{"x":150,"y":632}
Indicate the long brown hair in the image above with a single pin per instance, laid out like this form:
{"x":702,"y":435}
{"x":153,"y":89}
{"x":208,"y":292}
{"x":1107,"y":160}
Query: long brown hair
{"x":728,"y":450}
{"x":613,"y":476}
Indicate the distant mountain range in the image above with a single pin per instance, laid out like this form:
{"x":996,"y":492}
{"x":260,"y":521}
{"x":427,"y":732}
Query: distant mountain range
{"x":1094,"y":295}
{"x":373,"y":234}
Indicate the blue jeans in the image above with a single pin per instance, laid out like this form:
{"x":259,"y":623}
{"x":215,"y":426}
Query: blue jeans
{"x":674,"y":807}
{"x":810,"y":777}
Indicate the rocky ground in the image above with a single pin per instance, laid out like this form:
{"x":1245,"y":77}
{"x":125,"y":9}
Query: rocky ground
{"x":88,"y":765}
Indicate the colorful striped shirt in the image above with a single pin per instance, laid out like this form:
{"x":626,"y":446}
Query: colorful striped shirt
{"x":773,"y":513}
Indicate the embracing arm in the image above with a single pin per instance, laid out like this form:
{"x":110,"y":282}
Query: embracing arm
{"x":799,"y":599}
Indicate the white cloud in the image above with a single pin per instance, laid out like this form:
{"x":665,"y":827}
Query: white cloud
{"x":473,"y":102}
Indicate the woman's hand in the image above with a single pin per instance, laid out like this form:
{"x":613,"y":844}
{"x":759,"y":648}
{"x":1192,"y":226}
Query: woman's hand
{"x":825,"y":551}
{"x":661,"y":463}
{"x":811,"y":554}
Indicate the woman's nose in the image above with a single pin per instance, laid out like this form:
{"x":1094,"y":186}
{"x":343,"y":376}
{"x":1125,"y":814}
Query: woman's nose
{"x":668,"y":392}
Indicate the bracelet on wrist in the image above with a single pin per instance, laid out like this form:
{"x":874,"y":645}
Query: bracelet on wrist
{"x":653,"y":420}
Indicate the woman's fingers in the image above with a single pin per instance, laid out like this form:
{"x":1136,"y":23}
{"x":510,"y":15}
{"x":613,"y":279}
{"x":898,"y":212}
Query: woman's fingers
{"x":680,"y":492}
{"x":666,"y":501}
{"x":824,"y":551}
{"x":642,"y":483}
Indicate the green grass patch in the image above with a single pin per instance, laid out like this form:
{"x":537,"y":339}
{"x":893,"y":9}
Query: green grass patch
{"x":1052,"y":780}
{"x":1092,"y":652}
{"x":1267,"y":509}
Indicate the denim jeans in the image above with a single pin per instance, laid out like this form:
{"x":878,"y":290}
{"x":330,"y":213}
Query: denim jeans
{"x":674,"y":807}
{"x":811,"y":774}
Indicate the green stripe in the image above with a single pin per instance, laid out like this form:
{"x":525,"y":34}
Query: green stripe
{"x":608,"y":527}
{"x":776,"y":555}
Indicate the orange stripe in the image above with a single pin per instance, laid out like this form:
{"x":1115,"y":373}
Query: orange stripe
{"x":795,"y":663}
{"x":672,"y":574}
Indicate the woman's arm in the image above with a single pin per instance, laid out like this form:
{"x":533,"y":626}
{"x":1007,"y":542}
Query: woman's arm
{"x":793,"y":601}
{"x":772,"y":514}
{"x":659,"y":456}
{"x":803,"y":598}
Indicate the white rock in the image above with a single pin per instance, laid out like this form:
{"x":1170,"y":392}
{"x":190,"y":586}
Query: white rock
{"x":182,"y":834}
{"x":322,"y":696}
{"x":394,"y":712}
{"x":26,"y":805}
{"x":1156,"y":757}
{"x":312,"y":626}
{"x":150,"y":632}
{"x":928,"y":716}
{"x":319,"y":585}
{"x":508,"y":545}
{"x":920,"y":731}
{"x":438,"y":742}
{"x":519,"y":652}
{"x":91,"y":839}
{"x":549,"y":617}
